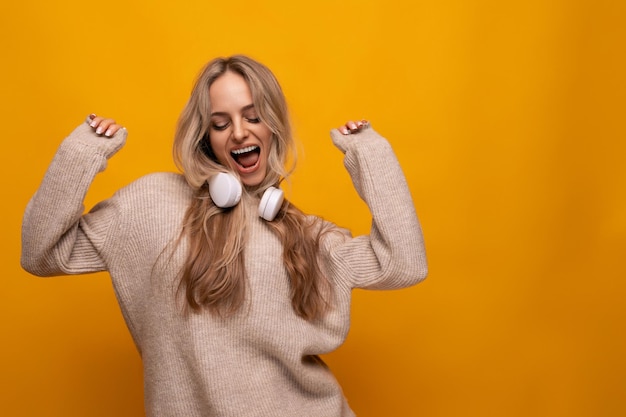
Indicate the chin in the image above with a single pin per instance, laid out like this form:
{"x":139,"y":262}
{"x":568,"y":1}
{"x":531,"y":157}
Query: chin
{"x":252,"y":182}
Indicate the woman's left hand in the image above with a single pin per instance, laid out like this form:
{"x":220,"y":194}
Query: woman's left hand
{"x":353,"y":127}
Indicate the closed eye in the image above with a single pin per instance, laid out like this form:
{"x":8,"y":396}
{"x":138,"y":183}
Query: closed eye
{"x":219,"y":127}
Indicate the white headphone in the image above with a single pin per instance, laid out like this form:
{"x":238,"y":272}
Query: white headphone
{"x":225,"y":190}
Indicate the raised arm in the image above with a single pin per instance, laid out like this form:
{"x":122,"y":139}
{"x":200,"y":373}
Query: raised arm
{"x":393,"y":254}
{"x":56,"y":238}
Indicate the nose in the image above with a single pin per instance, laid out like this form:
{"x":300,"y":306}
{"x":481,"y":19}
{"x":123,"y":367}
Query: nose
{"x":239,"y":130}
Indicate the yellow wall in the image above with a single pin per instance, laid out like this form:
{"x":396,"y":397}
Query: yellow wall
{"x":508,"y":118}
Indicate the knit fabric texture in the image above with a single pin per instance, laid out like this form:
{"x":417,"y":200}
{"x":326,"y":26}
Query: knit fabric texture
{"x":261,"y":361}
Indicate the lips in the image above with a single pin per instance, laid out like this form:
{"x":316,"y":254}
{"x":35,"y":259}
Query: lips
{"x":246,"y":157}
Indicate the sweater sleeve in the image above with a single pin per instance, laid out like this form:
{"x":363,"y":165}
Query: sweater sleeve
{"x":57,"y":238}
{"x":393,"y":254}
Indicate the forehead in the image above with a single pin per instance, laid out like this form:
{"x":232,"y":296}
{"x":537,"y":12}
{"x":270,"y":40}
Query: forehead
{"x":229,"y":92}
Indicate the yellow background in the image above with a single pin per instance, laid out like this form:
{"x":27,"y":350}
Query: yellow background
{"x":508,"y":118}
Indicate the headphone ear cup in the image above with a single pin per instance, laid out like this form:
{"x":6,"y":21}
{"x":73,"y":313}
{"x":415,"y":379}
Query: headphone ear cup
{"x":271,"y":203}
{"x":225,"y":190}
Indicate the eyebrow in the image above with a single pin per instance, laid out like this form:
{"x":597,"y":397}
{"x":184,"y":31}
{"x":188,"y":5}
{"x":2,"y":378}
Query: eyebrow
{"x":243,"y":109}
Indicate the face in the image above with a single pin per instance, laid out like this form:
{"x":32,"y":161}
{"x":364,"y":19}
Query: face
{"x":239,"y":139}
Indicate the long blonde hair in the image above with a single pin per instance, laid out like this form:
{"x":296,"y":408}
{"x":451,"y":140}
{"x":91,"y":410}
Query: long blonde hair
{"x":216,"y":279}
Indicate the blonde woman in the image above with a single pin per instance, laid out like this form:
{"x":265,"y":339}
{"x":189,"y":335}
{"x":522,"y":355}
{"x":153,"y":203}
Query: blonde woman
{"x":228,"y":310}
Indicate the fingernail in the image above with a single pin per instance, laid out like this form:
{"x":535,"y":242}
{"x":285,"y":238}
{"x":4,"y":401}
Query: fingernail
{"x":92,"y":124}
{"x":99,"y":130}
{"x":345,"y":131}
{"x":108,"y":133}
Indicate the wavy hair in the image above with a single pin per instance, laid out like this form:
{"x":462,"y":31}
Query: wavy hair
{"x":216,"y":279}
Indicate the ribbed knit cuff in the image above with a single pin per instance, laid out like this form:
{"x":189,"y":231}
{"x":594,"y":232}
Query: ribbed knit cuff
{"x":105,"y":146}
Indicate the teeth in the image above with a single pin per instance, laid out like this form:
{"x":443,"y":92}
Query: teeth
{"x":244,"y":150}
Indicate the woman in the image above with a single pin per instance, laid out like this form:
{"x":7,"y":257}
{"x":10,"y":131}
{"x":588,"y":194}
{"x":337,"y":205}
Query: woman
{"x":229,"y":311}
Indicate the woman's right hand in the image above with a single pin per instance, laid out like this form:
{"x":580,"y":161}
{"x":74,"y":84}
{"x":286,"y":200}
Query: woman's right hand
{"x":353,"y":127}
{"x":103,"y":126}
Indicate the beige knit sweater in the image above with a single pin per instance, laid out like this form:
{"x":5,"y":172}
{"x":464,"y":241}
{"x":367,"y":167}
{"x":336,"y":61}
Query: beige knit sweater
{"x":263,"y":360}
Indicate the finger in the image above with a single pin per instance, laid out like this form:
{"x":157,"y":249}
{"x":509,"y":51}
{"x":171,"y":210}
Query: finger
{"x":95,"y":120}
{"x":344,"y":129}
{"x":352,"y":126}
{"x":104,"y":125}
{"x":112,"y":130}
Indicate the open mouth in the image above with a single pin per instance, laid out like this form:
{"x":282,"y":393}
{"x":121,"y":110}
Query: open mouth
{"x":246,"y":157}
